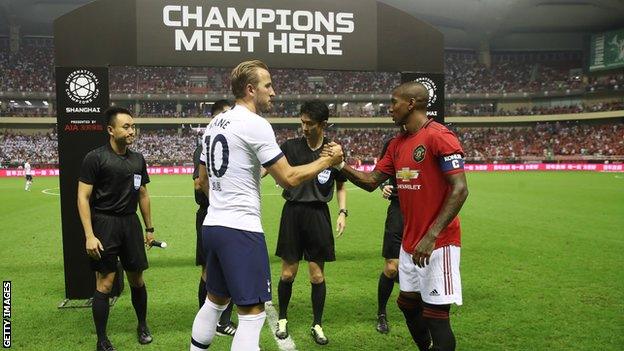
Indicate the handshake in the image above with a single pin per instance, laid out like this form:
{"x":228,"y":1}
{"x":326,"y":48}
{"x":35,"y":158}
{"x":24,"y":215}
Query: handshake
{"x":334,"y":152}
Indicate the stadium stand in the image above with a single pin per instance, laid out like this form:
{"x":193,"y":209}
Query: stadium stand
{"x":551,"y":141}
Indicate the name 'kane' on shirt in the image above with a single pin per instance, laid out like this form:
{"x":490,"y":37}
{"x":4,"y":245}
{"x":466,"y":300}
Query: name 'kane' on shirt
{"x":318,"y":189}
{"x":234,"y":145}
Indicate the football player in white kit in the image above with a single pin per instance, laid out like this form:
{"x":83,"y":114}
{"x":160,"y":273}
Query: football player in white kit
{"x":28,"y":174}
{"x":235,"y":145}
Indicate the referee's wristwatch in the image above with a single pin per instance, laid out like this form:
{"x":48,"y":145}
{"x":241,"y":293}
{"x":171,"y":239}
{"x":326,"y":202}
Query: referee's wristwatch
{"x":342,"y":210}
{"x":149,"y":230}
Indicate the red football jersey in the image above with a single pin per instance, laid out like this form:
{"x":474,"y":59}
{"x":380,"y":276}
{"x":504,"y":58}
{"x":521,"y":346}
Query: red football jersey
{"x":419,"y":162}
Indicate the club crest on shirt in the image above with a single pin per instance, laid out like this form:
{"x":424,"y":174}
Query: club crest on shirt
{"x":137,"y":181}
{"x":323,"y":177}
{"x":419,"y":153}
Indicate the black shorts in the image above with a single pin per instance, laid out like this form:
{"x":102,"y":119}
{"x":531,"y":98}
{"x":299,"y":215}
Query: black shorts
{"x":200,"y":257}
{"x":305,"y":231}
{"x":121,"y":236}
{"x":29,"y":177}
{"x":393,"y":231}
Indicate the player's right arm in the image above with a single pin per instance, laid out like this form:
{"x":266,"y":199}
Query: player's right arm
{"x":92,"y":243}
{"x":368,"y":181}
{"x":288,"y":176}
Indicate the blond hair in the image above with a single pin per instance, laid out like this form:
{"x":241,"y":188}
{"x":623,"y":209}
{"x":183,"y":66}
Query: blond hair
{"x":243,"y":74}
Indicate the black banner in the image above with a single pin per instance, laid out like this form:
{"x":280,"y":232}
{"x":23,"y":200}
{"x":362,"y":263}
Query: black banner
{"x":434,"y":82}
{"x":81,"y":98}
{"x":315,"y":34}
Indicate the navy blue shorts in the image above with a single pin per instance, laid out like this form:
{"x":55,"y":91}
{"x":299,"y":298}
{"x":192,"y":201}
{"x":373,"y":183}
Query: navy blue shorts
{"x":237,"y":265}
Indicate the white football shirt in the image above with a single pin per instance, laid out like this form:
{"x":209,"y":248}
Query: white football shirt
{"x":27,"y":170}
{"x":234,"y":146}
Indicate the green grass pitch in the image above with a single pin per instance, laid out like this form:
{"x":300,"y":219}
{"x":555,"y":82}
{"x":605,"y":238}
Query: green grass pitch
{"x":542,"y":269}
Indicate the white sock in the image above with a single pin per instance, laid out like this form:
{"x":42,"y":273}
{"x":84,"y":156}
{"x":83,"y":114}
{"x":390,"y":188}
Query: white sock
{"x":247,"y":337}
{"x":205,"y":324}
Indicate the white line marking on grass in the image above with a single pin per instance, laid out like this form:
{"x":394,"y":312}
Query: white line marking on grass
{"x":284,"y":345}
{"x":48,"y":191}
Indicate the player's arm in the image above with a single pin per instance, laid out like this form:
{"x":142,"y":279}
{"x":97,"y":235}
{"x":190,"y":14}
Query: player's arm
{"x":452,"y":204}
{"x":202,"y":180}
{"x":368,"y":181}
{"x":341,"y":197}
{"x":288,"y":176}
{"x":92,"y":243}
{"x":450,"y":209}
{"x":146,"y":212}
{"x":263,"y":172}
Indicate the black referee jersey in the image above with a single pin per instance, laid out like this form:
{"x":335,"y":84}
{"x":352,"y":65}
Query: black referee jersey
{"x":318,"y":189}
{"x":116,"y":179}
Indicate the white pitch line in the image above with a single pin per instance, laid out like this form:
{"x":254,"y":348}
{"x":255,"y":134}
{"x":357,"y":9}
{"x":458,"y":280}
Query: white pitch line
{"x":283,"y":344}
{"x":47,"y":191}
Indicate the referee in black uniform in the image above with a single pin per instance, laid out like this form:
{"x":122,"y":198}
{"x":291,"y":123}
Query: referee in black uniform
{"x":305,"y":227}
{"x":112,"y":181}
{"x":225,"y":326}
{"x":393,"y":234}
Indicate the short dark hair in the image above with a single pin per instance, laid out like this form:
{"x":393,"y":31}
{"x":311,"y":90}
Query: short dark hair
{"x":112,"y":112}
{"x":219,"y":106}
{"x":316,"y":110}
{"x":416,"y":91}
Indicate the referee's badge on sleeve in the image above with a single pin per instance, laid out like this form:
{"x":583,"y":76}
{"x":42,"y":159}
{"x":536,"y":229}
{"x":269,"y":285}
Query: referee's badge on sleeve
{"x":137,"y":181}
{"x":323,"y":177}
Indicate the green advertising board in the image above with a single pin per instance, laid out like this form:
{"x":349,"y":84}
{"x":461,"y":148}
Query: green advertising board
{"x":607,"y":50}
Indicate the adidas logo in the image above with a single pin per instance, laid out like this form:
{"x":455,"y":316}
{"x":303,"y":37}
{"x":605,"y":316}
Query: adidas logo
{"x":434,"y":292}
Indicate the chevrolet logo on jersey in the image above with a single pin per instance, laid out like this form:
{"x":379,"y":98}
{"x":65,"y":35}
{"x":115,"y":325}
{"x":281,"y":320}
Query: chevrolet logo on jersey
{"x":405,"y":174}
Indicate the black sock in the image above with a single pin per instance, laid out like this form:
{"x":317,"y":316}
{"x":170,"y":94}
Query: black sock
{"x":139,"y":301}
{"x":100,"y":308}
{"x":384,"y":290}
{"x":318,"y":302}
{"x":412,"y":310}
{"x":201,"y":292}
{"x":226,"y":315}
{"x":284,"y":292}
{"x":439,"y":325}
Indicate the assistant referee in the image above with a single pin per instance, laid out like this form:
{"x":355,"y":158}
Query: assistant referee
{"x":112,"y":181}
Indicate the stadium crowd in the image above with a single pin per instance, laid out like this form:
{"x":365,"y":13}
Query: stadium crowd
{"x":495,"y":144}
{"x":32,"y":70}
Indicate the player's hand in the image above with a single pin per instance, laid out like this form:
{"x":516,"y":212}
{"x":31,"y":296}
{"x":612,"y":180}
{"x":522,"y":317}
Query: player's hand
{"x":335,"y":152}
{"x":326,"y":150}
{"x":94,"y":246}
{"x":386,"y":191}
{"x":149,"y":237}
{"x":341,"y":224}
{"x":423,"y":250}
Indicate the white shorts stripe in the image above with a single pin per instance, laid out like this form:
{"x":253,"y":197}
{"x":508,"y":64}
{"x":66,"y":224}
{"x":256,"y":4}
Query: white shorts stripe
{"x":439,"y":283}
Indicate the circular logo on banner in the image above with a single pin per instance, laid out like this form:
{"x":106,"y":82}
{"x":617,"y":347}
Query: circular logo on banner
{"x":419,"y":153}
{"x":431,"y":89}
{"x":81,"y":86}
{"x":323,"y":177}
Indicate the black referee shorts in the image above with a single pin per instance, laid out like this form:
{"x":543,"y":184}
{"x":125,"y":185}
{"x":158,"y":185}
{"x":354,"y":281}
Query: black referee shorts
{"x":305,"y":231}
{"x":121,"y":236}
{"x":393,"y":231}
{"x":200,"y":257}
